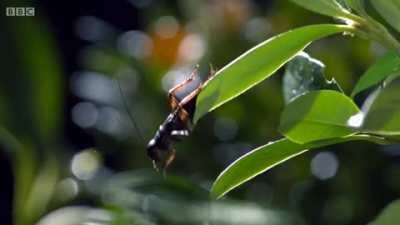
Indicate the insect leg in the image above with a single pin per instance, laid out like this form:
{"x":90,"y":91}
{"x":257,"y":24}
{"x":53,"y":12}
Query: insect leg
{"x":212,"y":73}
{"x":173,"y":100}
{"x":172,"y":91}
{"x":155,"y":166}
{"x":190,"y":96}
{"x":168,"y":160}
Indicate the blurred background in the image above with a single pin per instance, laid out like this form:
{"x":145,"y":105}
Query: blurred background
{"x":70,"y":154}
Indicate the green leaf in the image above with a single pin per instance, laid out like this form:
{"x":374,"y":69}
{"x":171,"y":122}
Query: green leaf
{"x":254,"y":163}
{"x":264,"y":158}
{"x":303,"y":74}
{"x":388,"y":65}
{"x":318,"y":115}
{"x":389,"y":215}
{"x":258,"y":64}
{"x":45,"y":74}
{"x":389,"y":10}
{"x":31,"y":84}
{"x":324,"y":7}
{"x":383,"y":114}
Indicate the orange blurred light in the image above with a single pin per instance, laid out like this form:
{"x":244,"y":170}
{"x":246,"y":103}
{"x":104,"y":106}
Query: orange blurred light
{"x":166,"y":37}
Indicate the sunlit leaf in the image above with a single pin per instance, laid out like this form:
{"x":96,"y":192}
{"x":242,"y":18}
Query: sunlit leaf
{"x":304,"y":74}
{"x":325,"y":7}
{"x":258,"y":64}
{"x":254,"y":163}
{"x":383,"y":114}
{"x":389,"y":10}
{"x":264,"y":158}
{"x":318,"y":115}
{"x":381,"y":69}
{"x":389,"y":215}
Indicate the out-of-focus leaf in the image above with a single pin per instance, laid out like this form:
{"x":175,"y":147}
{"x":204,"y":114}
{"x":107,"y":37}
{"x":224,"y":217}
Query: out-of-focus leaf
{"x":258,"y":64}
{"x":24,"y":163}
{"x":143,"y":182}
{"x":383,"y":114}
{"x":42,"y":189}
{"x":356,"y":5}
{"x":378,"y":72}
{"x":39,"y":88}
{"x":31,"y":86}
{"x":43,"y":67}
{"x":389,"y":10}
{"x":74,"y":215}
{"x":318,"y":115}
{"x":324,"y":7}
{"x":175,"y":201}
{"x":264,"y":158}
{"x":304,"y":74}
{"x":9,"y":143}
{"x":390,"y":214}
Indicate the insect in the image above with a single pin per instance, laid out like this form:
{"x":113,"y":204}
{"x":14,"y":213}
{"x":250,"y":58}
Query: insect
{"x":178,"y":124}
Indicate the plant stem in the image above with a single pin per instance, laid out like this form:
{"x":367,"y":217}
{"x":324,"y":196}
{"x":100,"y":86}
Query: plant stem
{"x":369,"y":28}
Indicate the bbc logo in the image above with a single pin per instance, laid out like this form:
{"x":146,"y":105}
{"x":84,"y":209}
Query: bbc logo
{"x":20,"y":11}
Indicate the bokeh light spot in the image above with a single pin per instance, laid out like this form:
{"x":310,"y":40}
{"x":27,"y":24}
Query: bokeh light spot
{"x":135,"y":43}
{"x":84,"y":114}
{"x":67,"y":189}
{"x":85,"y":164}
{"x":109,"y":121}
{"x":324,"y":165}
{"x":192,"y":48}
{"x":166,"y":27}
{"x":257,"y":29}
{"x":94,"y":86}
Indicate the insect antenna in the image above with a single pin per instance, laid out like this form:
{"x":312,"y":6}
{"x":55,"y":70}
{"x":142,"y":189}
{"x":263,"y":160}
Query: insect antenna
{"x":130,"y":115}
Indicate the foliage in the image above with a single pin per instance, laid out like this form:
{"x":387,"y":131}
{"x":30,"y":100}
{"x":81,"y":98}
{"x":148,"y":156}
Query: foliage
{"x":304,"y":74}
{"x":316,"y":115}
{"x":389,"y":214}
{"x":386,"y":66}
{"x":258,"y":64}
{"x":56,"y":179}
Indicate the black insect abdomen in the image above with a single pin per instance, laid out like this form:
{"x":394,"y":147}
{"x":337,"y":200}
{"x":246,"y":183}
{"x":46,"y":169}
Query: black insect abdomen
{"x":162,"y":138}
{"x":190,"y":107}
